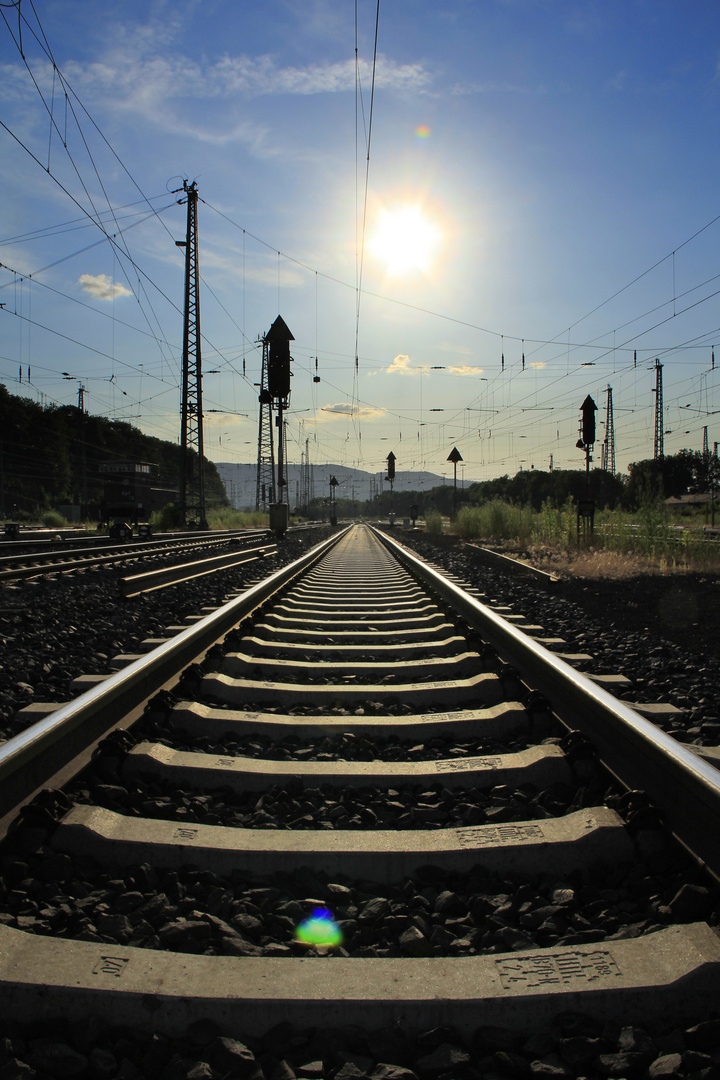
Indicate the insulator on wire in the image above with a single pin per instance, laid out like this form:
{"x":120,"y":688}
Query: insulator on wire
{"x":502,"y":355}
{"x":523,"y":355}
{"x":713,"y":357}
{"x":635,"y":358}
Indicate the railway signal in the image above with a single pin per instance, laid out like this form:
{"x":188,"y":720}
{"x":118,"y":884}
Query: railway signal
{"x":455,"y":456}
{"x":586,"y":507}
{"x":276,"y":345}
{"x":391,"y":459}
{"x":333,"y":502}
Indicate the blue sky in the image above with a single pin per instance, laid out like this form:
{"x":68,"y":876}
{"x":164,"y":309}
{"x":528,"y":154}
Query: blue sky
{"x":542,"y":180}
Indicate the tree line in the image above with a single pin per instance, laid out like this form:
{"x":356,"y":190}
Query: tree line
{"x":50,"y":456}
{"x":648,"y":481}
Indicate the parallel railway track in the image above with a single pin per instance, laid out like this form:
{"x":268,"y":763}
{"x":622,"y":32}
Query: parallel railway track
{"x":478,"y":822}
{"x":61,"y":558}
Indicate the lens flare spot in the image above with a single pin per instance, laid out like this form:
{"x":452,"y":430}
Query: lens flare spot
{"x":422,"y":131}
{"x":319,"y":929}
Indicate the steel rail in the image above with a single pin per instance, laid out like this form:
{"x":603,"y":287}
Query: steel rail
{"x":32,"y":758}
{"x":90,"y":558}
{"x":108,"y":548}
{"x":51,"y":567}
{"x":19,"y":549}
{"x":514,"y":566}
{"x":685,"y":788}
{"x":150,"y":580}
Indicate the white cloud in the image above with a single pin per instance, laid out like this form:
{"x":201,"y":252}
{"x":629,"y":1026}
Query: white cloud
{"x":538,"y":363}
{"x":102,"y":287}
{"x":401,"y":366}
{"x":466,"y":369}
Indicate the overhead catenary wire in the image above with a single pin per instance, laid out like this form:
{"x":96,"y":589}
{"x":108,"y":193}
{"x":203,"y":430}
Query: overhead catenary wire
{"x":539,"y":341}
{"x":511,"y":373}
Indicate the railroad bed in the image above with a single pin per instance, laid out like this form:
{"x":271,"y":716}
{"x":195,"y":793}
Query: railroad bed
{"x":374,"y":761}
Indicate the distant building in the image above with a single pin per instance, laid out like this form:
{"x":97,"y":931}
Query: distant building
{"x":687,"y":502}
{"x":131,"y":491}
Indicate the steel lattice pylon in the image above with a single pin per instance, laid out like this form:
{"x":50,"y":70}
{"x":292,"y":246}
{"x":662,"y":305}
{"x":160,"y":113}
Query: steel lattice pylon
{"x":192,"y":482}
{"x":659,"y":448}
{"x":608,"y":449}
{"x":265,"y":489}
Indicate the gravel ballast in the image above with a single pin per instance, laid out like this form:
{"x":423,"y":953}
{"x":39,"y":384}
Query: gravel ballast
{"x":660,"y":631}
{"x":58,"y":627}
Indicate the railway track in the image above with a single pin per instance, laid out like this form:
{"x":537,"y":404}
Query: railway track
{"x":61,"y":558}
{"x":365,"y":822}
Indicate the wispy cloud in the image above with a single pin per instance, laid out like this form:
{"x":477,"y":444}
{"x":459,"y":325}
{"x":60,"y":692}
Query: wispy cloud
{"x":132,"y":77}
{"x":261,"y":76}
{"x":102,"y":287}
{"x":128,"y":78}
{"x":461,"y":89}
{"x":617,"y":82}
{"x":462,"y":350}
{"x":357,"y":412}
{"x":538,"y":363}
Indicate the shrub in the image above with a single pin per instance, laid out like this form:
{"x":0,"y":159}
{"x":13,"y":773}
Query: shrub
{"x":52,"y":520}
{"x":433,"y":523}
{"x":165,"y":519}
{"x":495,"y":520}
{"x":556,"y":525}
{"x":238,"y":519}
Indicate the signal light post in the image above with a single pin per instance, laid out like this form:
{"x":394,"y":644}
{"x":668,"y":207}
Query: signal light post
{"x":391,"y":459}
{"x":333,"y":502}
{"x":455,"y":456}
{"x":586,"y":507}
{"x":278,"y":339}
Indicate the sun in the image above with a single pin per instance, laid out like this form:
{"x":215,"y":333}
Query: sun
{"x":405,"y":240}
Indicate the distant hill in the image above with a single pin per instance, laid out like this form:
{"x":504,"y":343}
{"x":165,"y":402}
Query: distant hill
{"x":241,"y":482}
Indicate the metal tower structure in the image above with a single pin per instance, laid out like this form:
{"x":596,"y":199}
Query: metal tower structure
{"x":192,"y":481}
{"x":305,"y":477}
{"x":608,"y":446}
{"x":265,"y":489}
{"x":659,"y":448}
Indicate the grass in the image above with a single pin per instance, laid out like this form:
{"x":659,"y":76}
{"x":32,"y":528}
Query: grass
{"x":622,"y":545}
{"x":238,"y":519}
{"x":607,"y":565}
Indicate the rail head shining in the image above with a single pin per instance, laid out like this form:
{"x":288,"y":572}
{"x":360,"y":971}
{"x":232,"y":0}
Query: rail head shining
{"x":681,"y":785}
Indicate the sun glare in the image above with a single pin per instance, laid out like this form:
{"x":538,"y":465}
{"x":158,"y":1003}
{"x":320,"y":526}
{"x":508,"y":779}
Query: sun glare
{"x":405,"y":240}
